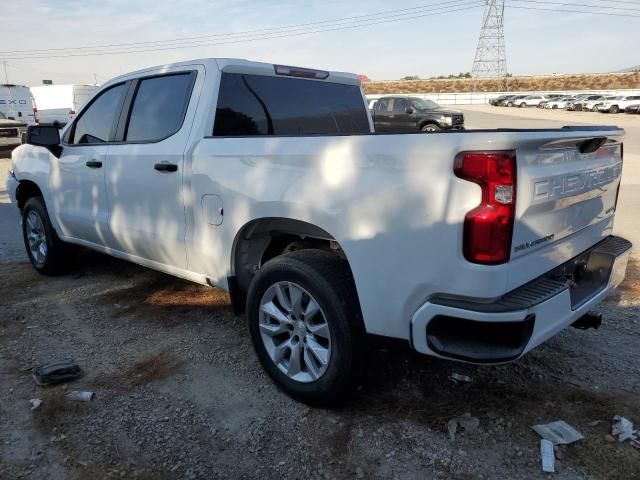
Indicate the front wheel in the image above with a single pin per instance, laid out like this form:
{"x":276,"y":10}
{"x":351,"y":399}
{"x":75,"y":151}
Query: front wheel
{"x":47,"y":253}
{"x":430,"y":127}
{"x":523,"y":105}
{"x":614,"y":109}
{"x":305,"y":325}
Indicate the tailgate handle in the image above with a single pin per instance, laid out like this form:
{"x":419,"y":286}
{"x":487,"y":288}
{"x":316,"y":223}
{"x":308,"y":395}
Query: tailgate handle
{"x":591,"y":145}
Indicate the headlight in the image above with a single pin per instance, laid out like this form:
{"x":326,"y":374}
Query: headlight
{"x":445,"y":119}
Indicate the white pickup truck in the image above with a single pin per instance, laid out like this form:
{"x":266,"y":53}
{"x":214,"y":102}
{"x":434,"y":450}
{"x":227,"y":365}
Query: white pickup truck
{"x":268,"y":181}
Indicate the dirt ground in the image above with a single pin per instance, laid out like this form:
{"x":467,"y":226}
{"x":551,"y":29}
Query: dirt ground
{"x":180,"y":394}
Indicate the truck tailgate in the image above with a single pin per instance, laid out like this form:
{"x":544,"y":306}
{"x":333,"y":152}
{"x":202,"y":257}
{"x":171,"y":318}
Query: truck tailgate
{"x":565,"y":186}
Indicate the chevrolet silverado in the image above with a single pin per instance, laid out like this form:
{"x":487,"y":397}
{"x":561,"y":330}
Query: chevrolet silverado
{"x":268,"y":181}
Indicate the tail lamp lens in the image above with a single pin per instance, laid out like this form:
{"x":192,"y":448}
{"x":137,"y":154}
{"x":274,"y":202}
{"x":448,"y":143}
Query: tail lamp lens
{"x":488,"y":228}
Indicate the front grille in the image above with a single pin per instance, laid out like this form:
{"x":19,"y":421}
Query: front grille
{"x":8,"y":132}
{"x":458,"y":119}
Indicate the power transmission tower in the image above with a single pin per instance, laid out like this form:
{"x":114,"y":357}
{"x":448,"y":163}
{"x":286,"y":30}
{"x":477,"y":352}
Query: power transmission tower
{"x":491,"y":58}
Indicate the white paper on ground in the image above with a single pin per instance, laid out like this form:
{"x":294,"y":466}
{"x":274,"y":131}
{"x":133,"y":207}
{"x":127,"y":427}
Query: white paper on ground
{"x":560,"y":432}
{"x":548,"y":456}
{"x":622,"y":428}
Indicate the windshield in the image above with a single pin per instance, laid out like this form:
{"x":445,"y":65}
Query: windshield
{"x":421,"y":104}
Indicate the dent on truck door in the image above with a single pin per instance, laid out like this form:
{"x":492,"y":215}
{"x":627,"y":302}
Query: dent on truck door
{"x":144,"y":174}
{"x":77,"y":180}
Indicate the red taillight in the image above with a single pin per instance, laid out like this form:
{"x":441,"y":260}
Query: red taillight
{"x":488,"y":228}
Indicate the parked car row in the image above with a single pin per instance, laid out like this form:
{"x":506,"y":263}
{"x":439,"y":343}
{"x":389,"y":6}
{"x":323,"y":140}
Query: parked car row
{"x":579,"y":102}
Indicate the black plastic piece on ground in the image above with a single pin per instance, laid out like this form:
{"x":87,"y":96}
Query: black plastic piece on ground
{"x":590,"y":320}
{"x":57,"y":372}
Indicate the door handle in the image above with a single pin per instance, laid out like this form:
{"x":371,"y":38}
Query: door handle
{"x":166,"y":167}
{"x":94,"y":164}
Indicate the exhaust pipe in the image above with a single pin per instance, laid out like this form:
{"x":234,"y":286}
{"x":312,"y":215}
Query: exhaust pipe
{"x":589,"y":320}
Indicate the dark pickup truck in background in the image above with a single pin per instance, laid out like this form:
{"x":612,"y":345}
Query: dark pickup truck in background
{"x":410,"y":114}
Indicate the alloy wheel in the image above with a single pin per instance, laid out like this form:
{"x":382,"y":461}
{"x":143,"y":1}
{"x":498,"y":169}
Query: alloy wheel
{"x":36,"y":237}
{"x":295,"y":332}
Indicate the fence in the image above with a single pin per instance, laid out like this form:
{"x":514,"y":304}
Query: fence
{"x":484,"y":97}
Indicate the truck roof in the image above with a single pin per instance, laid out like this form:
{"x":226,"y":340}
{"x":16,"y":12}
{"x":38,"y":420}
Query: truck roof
{"x":238,"y":65}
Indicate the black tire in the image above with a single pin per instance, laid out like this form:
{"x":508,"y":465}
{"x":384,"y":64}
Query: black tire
{"x":554,"y":107}
{"x":430,"y":127}
{"x":614,"y":109}
{"x":523,"y":105}
{"x":327,"y":278}
{"x":58,"y":255}
{"x":510,"y":104}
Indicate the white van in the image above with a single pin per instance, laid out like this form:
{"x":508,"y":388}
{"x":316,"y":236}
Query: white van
{"x":59,"y":103}
{"x":16,"y":103}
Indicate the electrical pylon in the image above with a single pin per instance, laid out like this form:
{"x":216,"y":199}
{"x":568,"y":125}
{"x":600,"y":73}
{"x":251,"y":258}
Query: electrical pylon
{"x":490,"y":61}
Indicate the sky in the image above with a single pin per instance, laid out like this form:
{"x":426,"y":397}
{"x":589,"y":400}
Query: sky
{"x":537,"y":42}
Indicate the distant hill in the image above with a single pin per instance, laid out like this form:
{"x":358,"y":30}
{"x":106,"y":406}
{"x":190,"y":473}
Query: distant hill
{"x":632,"y":69}
{"x":605,"y":81}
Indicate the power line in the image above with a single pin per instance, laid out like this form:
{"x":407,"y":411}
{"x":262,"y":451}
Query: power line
{"x":464,"y":7}
{"x":626,"y":15}
{"x":271,"y":30}
{"x":587,"y":5}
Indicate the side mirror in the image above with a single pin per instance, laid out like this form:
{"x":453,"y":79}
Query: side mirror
{"x":409,"y":110}
{"x":46,"y":136}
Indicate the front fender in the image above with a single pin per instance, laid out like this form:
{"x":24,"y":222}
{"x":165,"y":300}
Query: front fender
{"x":34,"y":164}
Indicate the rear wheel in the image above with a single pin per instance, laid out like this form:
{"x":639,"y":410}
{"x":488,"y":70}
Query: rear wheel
{"x":430,"y":127}
{"x":555,"y":107}
{"x":614,"y":109}
{"x":47,"y":253}
{"x":305,"y":324}
{"x":523,"y":105}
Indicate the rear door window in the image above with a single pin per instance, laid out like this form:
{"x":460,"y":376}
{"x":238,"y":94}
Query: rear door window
{"x":97,"y":122}
{"x":159,"y":107}
{"x":250,"y":105}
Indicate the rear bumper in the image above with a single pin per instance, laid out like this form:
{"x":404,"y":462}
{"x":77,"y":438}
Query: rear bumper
{"x":506,"y":329}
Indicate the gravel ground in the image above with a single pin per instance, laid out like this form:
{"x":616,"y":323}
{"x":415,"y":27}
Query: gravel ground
{"x":180,"y":394}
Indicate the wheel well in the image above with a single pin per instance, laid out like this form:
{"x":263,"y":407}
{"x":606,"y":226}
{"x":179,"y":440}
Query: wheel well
{"x":26,"y":189}
{"x":261,"y":240}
